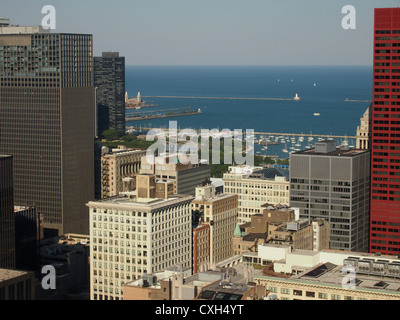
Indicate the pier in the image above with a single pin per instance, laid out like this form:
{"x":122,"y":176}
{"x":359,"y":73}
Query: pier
{"x":220,"y":98}
{"x":146,"y":115}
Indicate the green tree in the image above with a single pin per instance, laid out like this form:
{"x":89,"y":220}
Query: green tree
{"x":110,"y":135}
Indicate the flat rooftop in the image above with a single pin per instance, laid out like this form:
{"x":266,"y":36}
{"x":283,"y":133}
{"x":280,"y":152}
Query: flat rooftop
{"x":217,"y":197}
{"x":337,"y":153}
{"x":7,"y":274}
{"x":269,"y":173}
{"x":133,"y":201}
{"x":331,"y":274}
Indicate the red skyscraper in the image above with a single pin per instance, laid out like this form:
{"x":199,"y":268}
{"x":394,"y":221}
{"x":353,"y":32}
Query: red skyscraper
{"x":385,"y":175}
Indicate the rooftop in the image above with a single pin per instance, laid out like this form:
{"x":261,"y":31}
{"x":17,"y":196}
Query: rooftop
{"x":7,"y":274}
{"x":127,"y":200}
{"x":233,"y":287}
{"x":331,"y":274}
{"x":339,"y":152}
{"x":270,"y":173}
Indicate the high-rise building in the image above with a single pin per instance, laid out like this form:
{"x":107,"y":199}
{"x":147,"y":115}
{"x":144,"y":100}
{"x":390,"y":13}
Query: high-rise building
{"x":118,"y":168}
{"x":219,"y":211}
{"x":256,"y":186}
{"x":26,"y":238}
{"x":7,"y":226}
{"x":109,"y":80}
{"x":47,"y":122}
{"x":364,"y":131}
{"x":135,"y":235}
{"x":332,"y":183}
{"x":385,"y":175}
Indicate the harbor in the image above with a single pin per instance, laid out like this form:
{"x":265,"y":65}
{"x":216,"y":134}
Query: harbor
{"x":269,"y":144}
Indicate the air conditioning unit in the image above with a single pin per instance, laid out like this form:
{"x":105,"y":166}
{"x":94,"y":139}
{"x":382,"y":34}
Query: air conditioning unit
{"x":364,"y":266}
{"x":393,"y":270}
{"x":379,"y":267}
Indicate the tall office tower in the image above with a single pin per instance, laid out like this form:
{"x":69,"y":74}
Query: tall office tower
{"x":7,"y":228}
{"x":333,"y":184}
{"x":26,"y":238}
{"x":364,"y":131}
{"x":47,"y":122}
{"x":109,"y":79}
{"x":134,"y":235}
{"x":220,"y":212}
{"x":385,"y":188}
{"x":256,"y":186}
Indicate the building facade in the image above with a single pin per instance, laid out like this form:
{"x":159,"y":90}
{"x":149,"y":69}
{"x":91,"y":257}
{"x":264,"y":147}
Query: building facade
{"x":277,"y":225}
{"x":47,"y":122}
{"x":26,"y":238}
{"x":333,"y":184}
{"x":201,"y":247}
{"x":385,"y":173}
{"x":255,"y":187}
{"x":16,"y":285}
{"x":117,"y":165}
{"x":219,"y":211}
{"x":364,"y":131}
{"x":185,"y":177}
{"x":329,"y":275}
{"x":109,"y":80}
{"x":132,"y":237}
{"x":7,"y":219}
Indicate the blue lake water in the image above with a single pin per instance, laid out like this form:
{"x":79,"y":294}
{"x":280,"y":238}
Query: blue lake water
{"x":322,"y":90}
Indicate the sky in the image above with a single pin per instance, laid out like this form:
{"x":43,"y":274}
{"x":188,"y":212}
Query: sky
{"x":214,"y":32}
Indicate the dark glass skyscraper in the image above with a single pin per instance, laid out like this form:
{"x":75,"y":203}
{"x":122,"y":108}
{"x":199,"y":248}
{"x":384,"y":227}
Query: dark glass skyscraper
{"x":385,"y":189}
{"x":47,"y":122}
{"x":109,"y":80}
{"x":7,"y":229}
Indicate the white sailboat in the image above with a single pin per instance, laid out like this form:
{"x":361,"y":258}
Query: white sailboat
{"x":286,"y":149}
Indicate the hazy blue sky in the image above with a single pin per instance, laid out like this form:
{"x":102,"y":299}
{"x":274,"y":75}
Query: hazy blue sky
{"x":214,"y":32}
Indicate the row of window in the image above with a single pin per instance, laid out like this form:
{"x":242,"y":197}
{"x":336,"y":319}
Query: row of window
{"x":311,"y":294}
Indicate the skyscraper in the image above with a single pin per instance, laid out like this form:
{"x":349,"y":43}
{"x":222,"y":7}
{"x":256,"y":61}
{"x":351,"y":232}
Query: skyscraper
{"x":135,"y":235}
{"x":109,"y":80}
{"x":385,"y":176}
{"x":332,"y":183}
{"x":47,"y":122}
{"x":7,"y":228}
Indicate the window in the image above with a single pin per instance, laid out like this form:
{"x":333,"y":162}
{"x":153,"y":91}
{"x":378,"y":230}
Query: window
{"x":285,"y":291}
{"x":310,"y":294}
{"x":335,"y":297}
{"x":297,"y":292}
{"x":322,"y":295}
{"x":273,"y":289}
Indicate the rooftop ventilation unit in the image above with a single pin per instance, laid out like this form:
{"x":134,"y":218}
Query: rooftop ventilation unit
{"x":364,"y":266}
{"x":379,"y":267}
{"x":393,"y":270}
